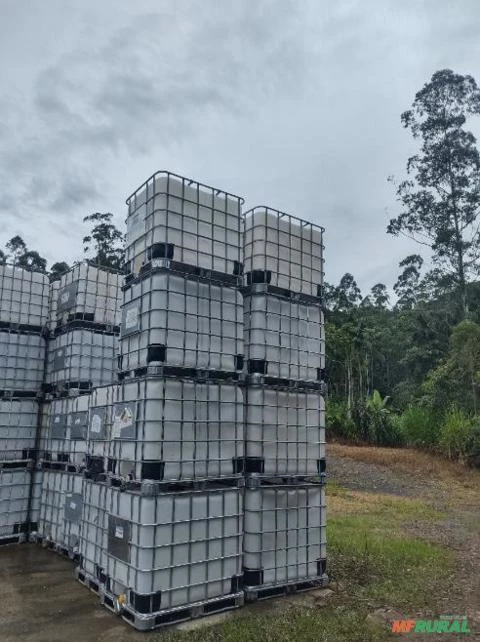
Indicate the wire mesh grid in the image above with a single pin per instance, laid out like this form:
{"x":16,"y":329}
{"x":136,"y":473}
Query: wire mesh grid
{"x":177,"y":321}
{"x":90,"y":293}
{"x":283,"y":251}
{"x":61,"y":508}
{"x":174,"y":549}
{"x":172,"y":429}
{"x":65,"y":433}
{"x":18,"y":428}
{"x":91,"y":538}
{"x":23,"y":296}
{"x":284,"y":431}
{"x":22,"y":358}
{"x":285,"y":535}
{"x":14,"y":501}
{"x":173,"y":217}
{"x":82,"y":356}
{"x":283,"y":338}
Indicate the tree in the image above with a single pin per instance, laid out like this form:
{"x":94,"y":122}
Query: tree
{"x":16,"y":246}
{"x":380,"y":296}
{"x":32,"y":261}
{"x":407,"y":286}
{"x":104,"y":240}
{"x":347,"y":294}
{"x":3,"y":258}
{"x":441,"y":198}
{"x":58,"y":269}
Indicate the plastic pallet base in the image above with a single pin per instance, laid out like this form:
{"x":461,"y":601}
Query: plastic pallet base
{"x":179,"y":372}
{"x":18,"y":538}
{"x":169,"y":617}
{"x":258,"y":379}
{"x":22,"y":464}
{"x":254,"y":480}
{"x":191,"y":272}
{"x":56,"y":548}
{"x":282,"y":293}
{"x":153,"y":487}
{"x":256,"y":593}
{"x":21,"y":394}
{"x":90,"y":582}
{"x":62,"y":466}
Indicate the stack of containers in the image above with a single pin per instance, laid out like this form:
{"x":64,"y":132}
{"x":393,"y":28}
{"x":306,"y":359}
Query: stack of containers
{"x":285,"y":521}
{"x":161,"y":538}
{"x":83,"y":330}
{"x":23,"y":315}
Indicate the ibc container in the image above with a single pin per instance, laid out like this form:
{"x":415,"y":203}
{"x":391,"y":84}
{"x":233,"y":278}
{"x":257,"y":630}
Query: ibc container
{"x":100,"y":427}
{"x":18,"y":427}
{"x":52,"y":304}
{"x":175,"y":549}
{"x":284,"y":431}
{"x":285,"y":536}
{"x":174,"y":429}
{"x":187,"y":222}
{"x":82,"y":356}
{"x":283,"y":338}
{"x":181,"y":322}
{"x":91,"y":537}
{"x":22,"y":357}
{"x":283,"y":250}
{"x":23,"y":296}
{"x":90,"y":293}
{"x":14,"y":501}
{"x":66,"y":433}
{"x":61,"y":509}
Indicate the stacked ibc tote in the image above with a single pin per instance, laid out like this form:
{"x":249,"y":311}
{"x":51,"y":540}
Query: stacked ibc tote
{"x":23,"y":315}
{"x":162,"y":530}
{"x":82,"y":328}
{"x":285,"y":521}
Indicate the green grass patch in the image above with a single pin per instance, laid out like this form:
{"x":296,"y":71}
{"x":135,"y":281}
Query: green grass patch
{"x":292,"y":625}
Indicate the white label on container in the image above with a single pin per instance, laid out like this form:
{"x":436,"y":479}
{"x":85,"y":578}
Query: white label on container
{"x":96,"y":425}
{"x":131,"y":318}
{"x":119,"y":532}
{"x":73,"y":505}
{"x":122,"y":420}
{"x":65,"y":296}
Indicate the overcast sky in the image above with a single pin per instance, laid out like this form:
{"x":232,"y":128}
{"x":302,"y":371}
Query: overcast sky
{"x":290,"y":103}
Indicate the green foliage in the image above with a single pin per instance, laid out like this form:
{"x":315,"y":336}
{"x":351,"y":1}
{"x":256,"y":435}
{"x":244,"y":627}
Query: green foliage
{"x":338,"y":422}
{"x":104,"y":244}
{"x":460,"y":435}
{"x":440,"y":198}
{"x":58,"y":269}
{"x":374,"y":423}
{"x":420,"y":427}
{"x":19,"y":254}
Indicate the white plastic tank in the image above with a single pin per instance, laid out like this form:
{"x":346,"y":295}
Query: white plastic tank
{"x":199,"y":324}
{"x":288,"y":248}
{"x":176,"y":429}
{"x":285,"y":534}
{"x":284,"y":430}
{"x":178,"y":547}
{"x":61,"y":509}
{"x":199,"y":225}
{"x":23,"y":296}
{"x":22,"y":359}
{"x":287,"y":335}
{"x":18,"y":426}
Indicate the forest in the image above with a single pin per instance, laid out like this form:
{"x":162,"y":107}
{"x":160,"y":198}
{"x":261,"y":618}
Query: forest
{"x":402,"y":370}
{"x":407,"y":372}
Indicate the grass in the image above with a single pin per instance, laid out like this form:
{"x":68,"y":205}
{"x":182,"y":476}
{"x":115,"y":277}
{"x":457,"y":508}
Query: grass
{"x":373,"y":564}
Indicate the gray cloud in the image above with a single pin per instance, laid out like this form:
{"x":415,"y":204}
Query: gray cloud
{"x":295,"y":104}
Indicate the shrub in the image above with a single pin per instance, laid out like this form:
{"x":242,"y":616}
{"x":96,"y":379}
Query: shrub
{"x":420,"y":427}
{"x":337,"y":420}
{"x":460,"y":435}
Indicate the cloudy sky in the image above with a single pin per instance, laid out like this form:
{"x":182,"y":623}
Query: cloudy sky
{"x":291,"y":103}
